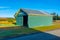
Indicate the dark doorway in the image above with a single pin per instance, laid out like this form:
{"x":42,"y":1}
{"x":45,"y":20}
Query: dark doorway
{"x":25,"y":21}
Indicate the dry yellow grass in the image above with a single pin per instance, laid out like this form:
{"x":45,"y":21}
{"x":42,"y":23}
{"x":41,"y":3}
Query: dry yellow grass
{"x":56,"y":25}
{"x":5,"y":22}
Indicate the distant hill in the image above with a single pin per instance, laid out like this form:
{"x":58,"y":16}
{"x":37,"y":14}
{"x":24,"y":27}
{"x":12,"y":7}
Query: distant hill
{"x":6,"y":19}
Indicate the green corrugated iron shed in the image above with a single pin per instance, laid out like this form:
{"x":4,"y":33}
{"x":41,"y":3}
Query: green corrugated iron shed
{"x":33,"y":18}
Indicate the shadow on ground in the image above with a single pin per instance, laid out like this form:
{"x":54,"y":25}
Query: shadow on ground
{"x":23,"y":33}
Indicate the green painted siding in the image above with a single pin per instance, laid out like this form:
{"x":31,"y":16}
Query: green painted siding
{"x":19,"y":20}
{"x":34,"y":21}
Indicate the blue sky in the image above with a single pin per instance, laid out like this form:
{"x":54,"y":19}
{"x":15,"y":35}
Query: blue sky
{"x":9,"y":7}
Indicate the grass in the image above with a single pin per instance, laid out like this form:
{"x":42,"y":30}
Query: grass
{"x":17,"y":30}
{"x":47,"y":28}
{"x":7,"y":25}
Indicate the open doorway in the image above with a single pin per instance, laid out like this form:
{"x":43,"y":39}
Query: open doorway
{"x":25,"y":21}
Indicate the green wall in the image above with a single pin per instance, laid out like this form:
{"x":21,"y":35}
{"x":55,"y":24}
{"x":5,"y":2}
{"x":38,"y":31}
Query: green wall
{"x":34,"y":21}
{"x":19,"y":21}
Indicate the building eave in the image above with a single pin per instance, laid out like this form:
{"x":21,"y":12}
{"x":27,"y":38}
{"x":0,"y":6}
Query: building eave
{"x":38,"y":15}
{"x":17,"y":13}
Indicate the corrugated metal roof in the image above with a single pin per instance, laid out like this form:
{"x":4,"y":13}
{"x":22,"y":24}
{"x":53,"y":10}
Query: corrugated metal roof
{"x":29,"y":11}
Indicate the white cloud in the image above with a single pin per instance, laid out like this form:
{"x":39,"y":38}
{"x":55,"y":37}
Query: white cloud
{"x":7,"y":13}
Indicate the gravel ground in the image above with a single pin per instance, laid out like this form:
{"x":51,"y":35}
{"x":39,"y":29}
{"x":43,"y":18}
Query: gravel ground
{"x":54,"y":32}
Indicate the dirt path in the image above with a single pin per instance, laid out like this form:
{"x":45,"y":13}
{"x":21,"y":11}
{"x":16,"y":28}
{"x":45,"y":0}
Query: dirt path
{"x":54,"y":32}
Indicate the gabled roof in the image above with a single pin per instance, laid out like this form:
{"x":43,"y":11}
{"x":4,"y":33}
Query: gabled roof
{"x":17,"y":13}
{"x":29,"y":11}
